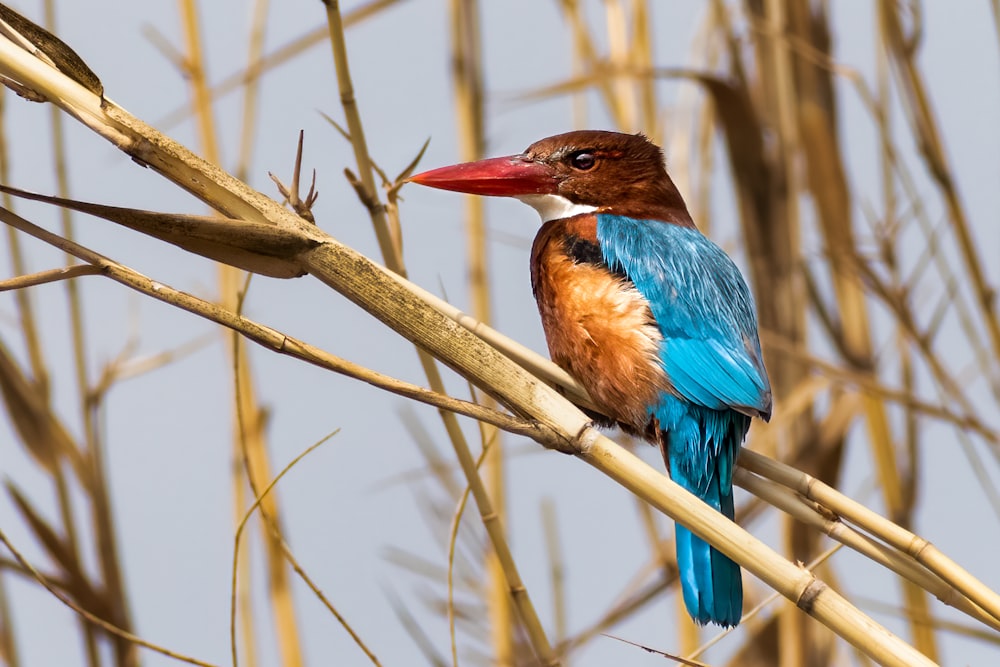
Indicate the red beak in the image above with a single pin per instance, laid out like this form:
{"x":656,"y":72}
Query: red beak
{"x":511,"y":176}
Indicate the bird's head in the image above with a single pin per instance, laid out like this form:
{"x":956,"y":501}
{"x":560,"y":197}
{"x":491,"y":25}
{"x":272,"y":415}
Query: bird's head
{"x":578,"y":172}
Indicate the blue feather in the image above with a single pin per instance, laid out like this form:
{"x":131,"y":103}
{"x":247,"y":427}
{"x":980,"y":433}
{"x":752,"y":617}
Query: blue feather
{"x":702,"y":305}
{"x":711,"y":355}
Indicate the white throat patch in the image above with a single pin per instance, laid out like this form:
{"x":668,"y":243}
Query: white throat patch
{"x":555,"y":207}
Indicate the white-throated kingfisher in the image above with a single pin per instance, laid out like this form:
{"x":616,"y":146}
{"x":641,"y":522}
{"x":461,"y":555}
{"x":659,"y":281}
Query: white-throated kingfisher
{"x":652,"y":318}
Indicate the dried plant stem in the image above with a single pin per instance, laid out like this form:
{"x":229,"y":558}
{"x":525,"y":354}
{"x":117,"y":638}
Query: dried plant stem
{"x":335,"y":23}
{"x":467,"y":81}
{"x":391,"y":253}
{"x":243,"y":602}
{"x":265,"y":336}
{"x":584,"y":47}
{"x":104,"y":524}
{"x":247,"y":412}
{"x":456,"y":521}
{"x":490,"y":519}
{"x":280,"y":56}
{"x":618,"y":57}
{"x":902,"y":564}
{"x":557,"y":560}
{"x":777,"y":63}
{"x":8,"y":639}
{"x":643,"y":57}
{"x":127,"y":637}
{"x":921,"y":116}
{"x":251,"y":88}
{"x":918,"y":548}
{"x":258,"y":504}
{"x":25,"y":308}
{"x":871,"y":384}
{"x":50,"y":276}
{"x":828,"y":183}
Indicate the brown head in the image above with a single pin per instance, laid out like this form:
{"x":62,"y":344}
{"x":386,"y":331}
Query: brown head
{"x":576,"y":172}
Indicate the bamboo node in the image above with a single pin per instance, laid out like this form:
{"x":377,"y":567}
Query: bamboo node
{"x":812,"y":590}
{"x":806,"y":485}
{"x":518,"y":589}
{"x":917,"y":546}
{"x":584,"y":441}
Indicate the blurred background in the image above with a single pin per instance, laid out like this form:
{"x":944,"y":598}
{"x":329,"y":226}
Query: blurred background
{"x":847,"y":155}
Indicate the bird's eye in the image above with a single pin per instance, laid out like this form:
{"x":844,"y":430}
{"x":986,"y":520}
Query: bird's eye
{"x":584,"y":160}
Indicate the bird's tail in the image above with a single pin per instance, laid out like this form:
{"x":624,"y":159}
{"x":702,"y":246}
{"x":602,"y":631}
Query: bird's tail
{"x":711,"y":582}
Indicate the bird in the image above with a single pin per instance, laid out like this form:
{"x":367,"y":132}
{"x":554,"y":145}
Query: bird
{"x":652,"y":318}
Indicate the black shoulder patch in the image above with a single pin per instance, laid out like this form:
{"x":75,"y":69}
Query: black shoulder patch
{"x":585,"y":251}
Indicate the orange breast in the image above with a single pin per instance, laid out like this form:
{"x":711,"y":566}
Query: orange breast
{"x":598,"y":326}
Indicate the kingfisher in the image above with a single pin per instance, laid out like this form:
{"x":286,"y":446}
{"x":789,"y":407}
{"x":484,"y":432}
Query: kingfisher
{"x":650,"y":316}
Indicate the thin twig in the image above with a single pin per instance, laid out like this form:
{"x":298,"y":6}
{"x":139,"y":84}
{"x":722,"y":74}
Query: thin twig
{"x":110,"y":628}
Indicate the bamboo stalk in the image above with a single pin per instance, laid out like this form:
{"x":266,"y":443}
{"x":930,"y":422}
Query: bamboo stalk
{"x":263,"y":335}
{"x":248,"y":438}
{"x":127,"y":637}
{"x":467,"y":80}
{"x":906,"y":567}
{"x":921,"y":116}
{"x":79,"y":346}
{"x":487,"y":505}
{"x":251,"y":97}
{"x":920,"y":549}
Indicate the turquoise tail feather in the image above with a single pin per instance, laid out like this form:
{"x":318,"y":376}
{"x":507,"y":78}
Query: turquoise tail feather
{"x":711,"y":583}
{"x":702,"y":445}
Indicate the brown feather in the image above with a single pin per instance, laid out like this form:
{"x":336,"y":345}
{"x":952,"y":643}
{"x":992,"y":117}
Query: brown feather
{"x":598,"y":326}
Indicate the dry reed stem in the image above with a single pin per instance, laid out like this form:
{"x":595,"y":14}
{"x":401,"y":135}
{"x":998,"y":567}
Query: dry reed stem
{"x":53,"y":449}
{"x":392,"y":255}
{"x":921,"y":115}
{"x":456,"y":521}
{"x":827,"y":181}
{"x":618,"y":56}
{"x":247,"y":411}
{"x":127,"y":637}
{"x":557,"y":568}
{"x":8,"y":639}
{"x":792,"y":504}
{"x":251,"y":90}
{"x":263,"y":335}
{"x":584,"y":45}
{"x":467,"y":80}
{"x":49,"y":276}
{"x":103,"y":522}
{"x":469,"y":109}
{"x":871,"y":383}
{"x":258,"y":504}
{"x":25,"y":309}
{"x":281,"y":55}
{"x":912,"y":545}
{"x":961,"y":629}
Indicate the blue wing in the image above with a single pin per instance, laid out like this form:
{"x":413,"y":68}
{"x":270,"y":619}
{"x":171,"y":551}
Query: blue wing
{"x":711,"y":351}
{"x":711,"y":355}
